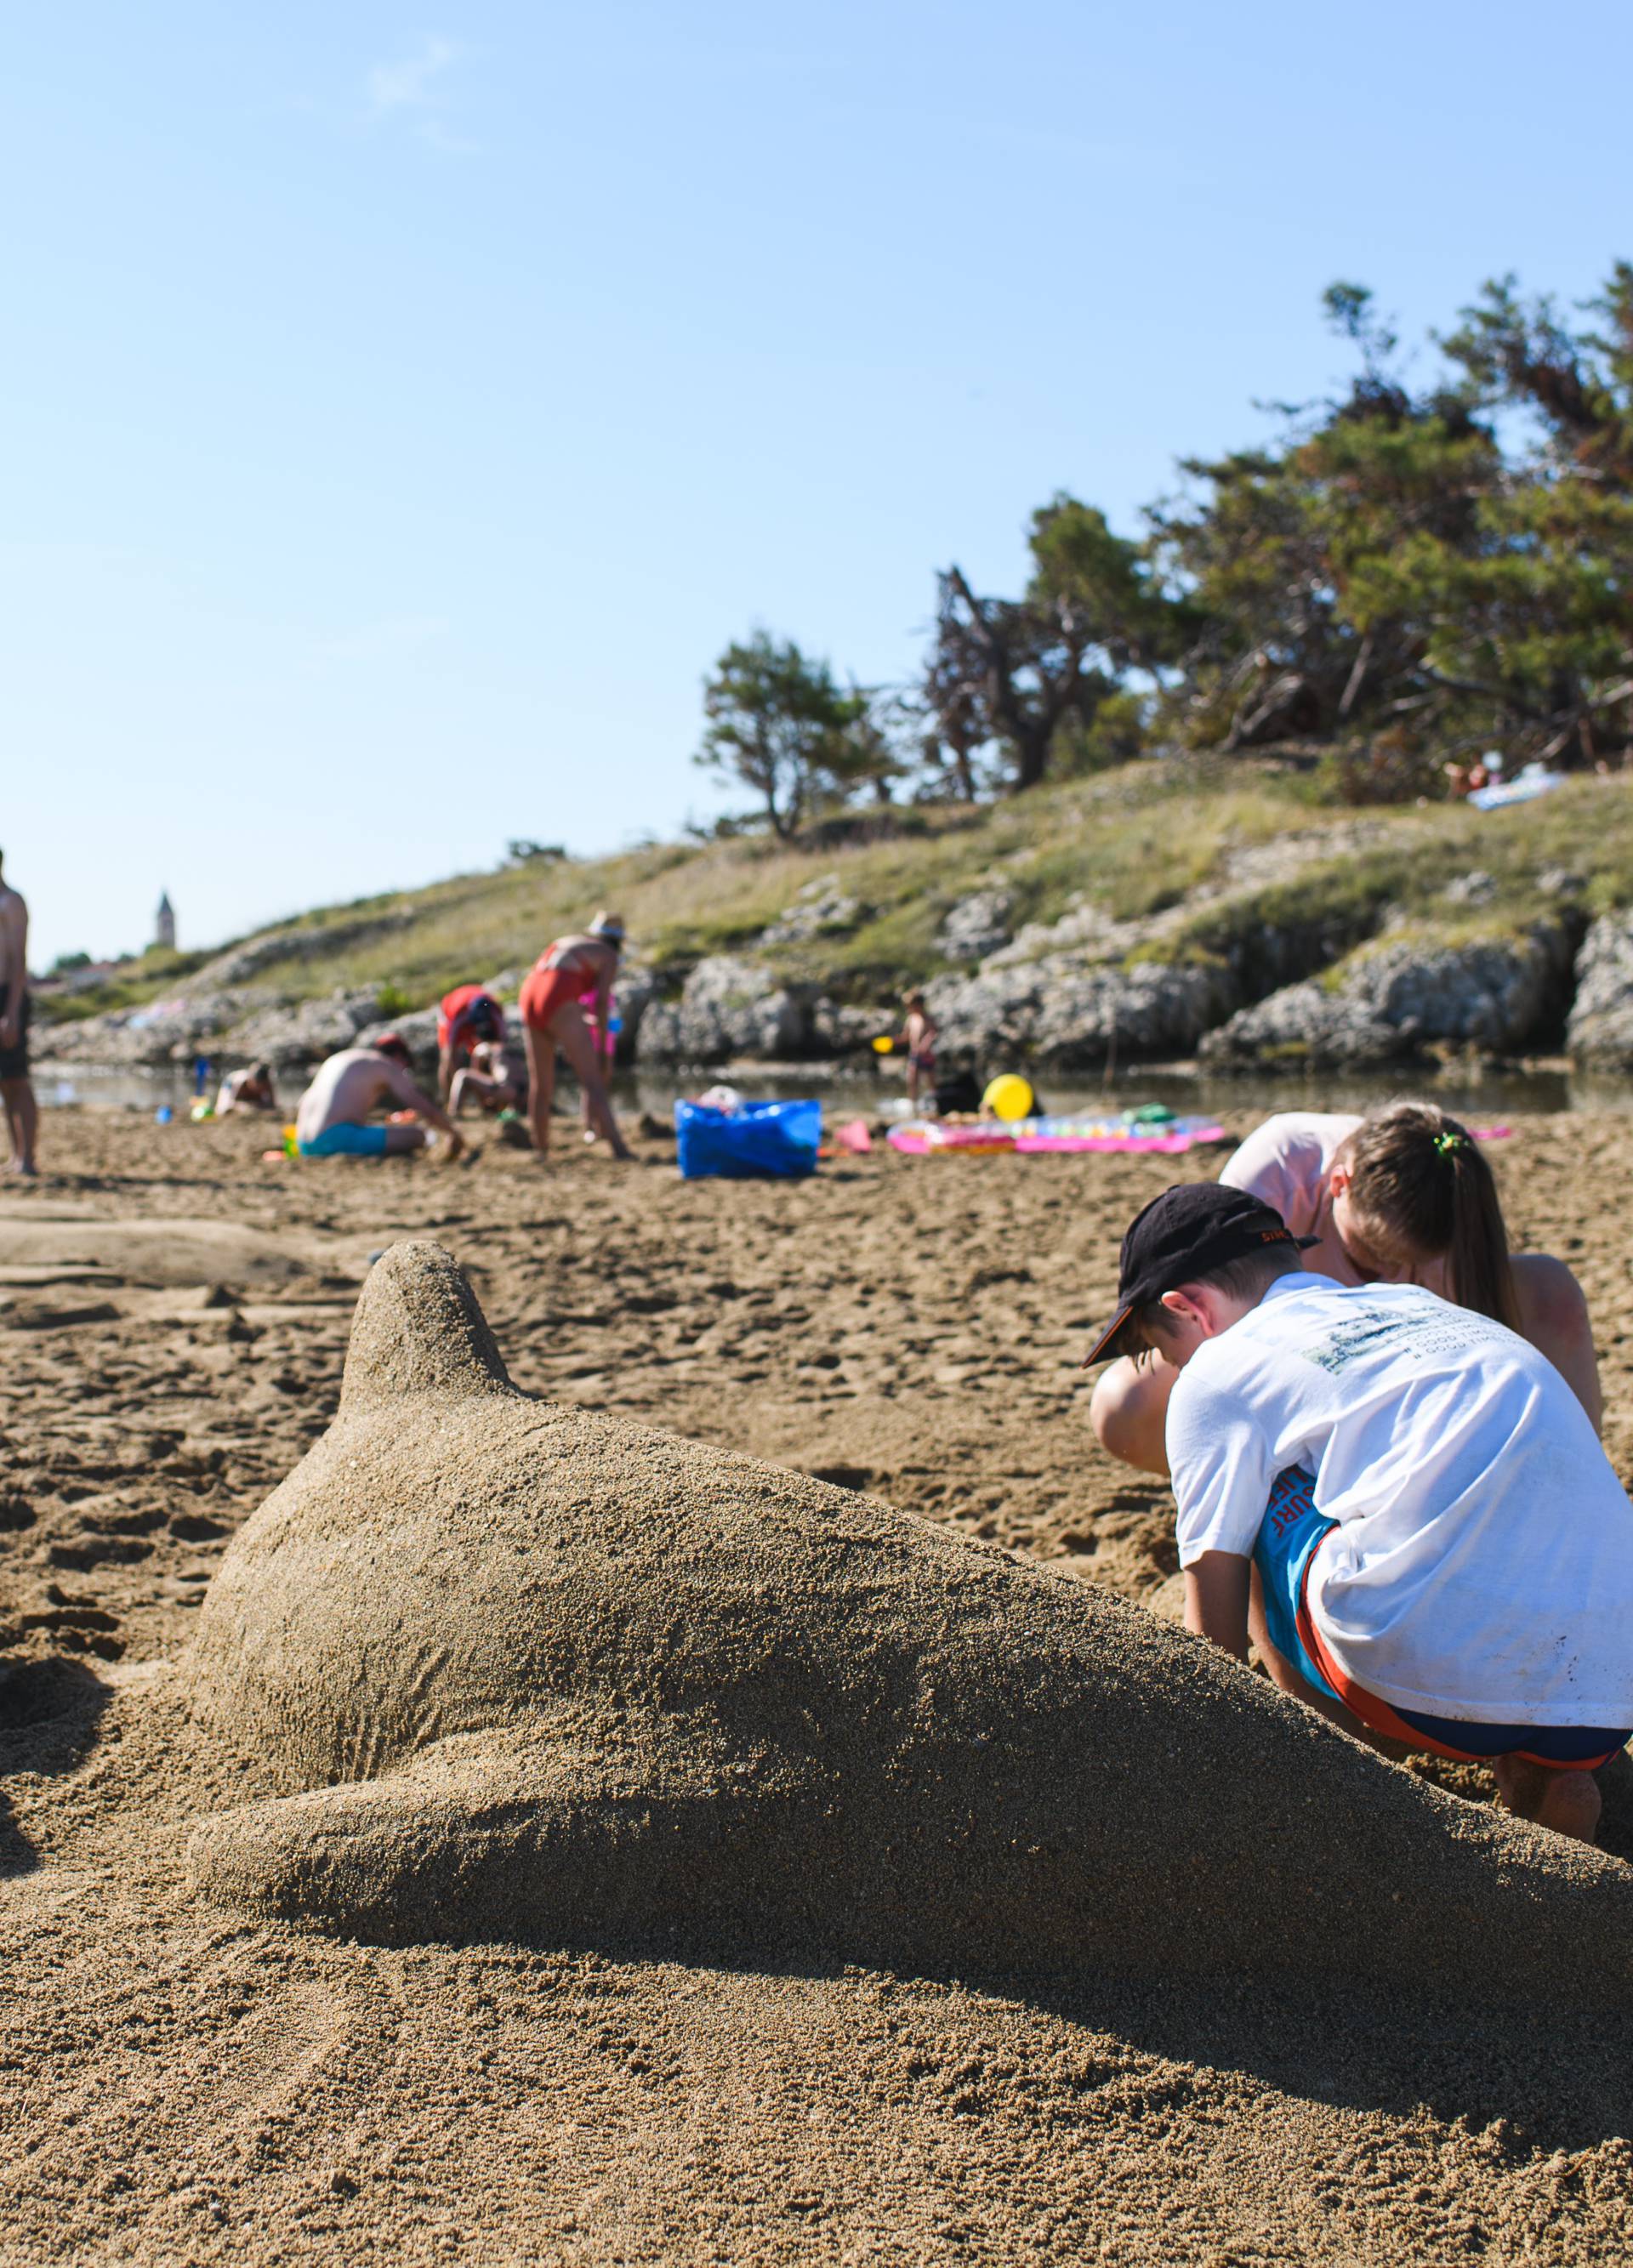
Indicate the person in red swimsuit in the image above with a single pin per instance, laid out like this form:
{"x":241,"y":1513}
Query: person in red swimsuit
{"x":466,"y":1016}
{"x":568,"y":974}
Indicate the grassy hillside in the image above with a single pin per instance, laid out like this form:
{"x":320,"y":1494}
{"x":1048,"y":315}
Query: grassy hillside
{"x":1244,"y":845}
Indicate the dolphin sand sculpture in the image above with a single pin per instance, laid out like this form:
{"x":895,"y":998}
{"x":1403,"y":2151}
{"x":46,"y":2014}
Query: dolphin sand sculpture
{"x":535,"y":1673}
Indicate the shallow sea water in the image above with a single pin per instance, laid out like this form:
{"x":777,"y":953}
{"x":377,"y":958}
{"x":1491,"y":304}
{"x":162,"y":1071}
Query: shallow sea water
{"x":1246,"y":1099}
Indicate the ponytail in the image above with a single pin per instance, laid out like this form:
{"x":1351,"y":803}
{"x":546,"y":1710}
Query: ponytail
{"x":1418,"y":1178}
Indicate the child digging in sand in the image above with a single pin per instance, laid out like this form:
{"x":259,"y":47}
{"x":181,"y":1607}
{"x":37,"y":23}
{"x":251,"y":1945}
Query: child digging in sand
{"x":1402,"y":1197}
{"x":332,"y":1118}
{"x":495,"y":1079}
{"x":1401,"y":1499}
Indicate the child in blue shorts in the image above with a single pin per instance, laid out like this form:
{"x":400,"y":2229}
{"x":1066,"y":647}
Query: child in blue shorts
{"x":1401,"y":1499}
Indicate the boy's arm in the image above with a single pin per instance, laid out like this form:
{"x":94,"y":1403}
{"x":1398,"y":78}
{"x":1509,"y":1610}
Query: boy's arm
{"x":1222,"y":1467}
{"x":410,"y":1096}
{"x":1217,"y":1590}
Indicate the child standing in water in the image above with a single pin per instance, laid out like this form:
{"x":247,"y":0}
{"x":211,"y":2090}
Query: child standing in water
{"x":918,"y":1039}
{"x":1402,"y":1197}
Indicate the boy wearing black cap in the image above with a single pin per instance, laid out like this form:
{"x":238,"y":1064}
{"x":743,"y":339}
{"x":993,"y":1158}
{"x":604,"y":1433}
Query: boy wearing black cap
{"x":1402,"y":1500}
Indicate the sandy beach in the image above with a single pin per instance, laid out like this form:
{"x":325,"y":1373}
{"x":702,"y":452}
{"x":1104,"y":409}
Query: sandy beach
{"x":179,"y":2084}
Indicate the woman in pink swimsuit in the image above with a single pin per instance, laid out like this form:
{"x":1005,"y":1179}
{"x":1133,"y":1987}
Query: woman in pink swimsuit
{"x":567,"y":974}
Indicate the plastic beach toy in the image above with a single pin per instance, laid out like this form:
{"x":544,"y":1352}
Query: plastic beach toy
{"x":1007,"y":1097}
{"x":1123,"y":1131}
{"x":932,"y":1137}
{"x":883,"y":1044}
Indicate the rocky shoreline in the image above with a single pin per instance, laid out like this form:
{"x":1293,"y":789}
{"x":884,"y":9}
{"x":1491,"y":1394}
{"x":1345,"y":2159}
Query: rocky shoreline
{"x":1222,"y":976}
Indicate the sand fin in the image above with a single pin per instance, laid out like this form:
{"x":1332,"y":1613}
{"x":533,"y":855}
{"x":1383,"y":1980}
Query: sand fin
{"x":558,"y":1841}
{"x":418,"y":1329}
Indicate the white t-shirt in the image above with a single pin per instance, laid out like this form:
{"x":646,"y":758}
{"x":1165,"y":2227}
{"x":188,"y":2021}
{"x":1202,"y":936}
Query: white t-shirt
{"x":1288,"y":1161}
{"x":1483,"y":1565}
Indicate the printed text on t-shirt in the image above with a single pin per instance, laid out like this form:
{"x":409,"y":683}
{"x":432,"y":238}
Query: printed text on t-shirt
{"x":1426,"y":1332}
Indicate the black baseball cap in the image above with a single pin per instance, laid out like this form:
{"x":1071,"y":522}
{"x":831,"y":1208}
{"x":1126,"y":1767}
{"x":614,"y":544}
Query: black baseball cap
{"x":1189,"y":1229}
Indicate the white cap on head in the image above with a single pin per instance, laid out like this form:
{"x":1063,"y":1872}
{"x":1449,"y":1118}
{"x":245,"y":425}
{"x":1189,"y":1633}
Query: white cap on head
{"x":609,"y":926}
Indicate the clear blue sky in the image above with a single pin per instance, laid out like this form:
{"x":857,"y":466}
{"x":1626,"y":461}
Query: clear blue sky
{"x":404,"y":408}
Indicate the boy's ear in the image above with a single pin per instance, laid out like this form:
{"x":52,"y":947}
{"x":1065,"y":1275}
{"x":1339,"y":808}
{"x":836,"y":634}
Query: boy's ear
{"x":1177,"y":1304}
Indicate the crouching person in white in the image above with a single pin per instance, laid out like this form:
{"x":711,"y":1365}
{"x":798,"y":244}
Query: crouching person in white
{"x":1403,"y":1501}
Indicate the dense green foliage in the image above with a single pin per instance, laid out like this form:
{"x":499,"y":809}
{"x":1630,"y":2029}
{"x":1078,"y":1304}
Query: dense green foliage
{"x":1438,"y":573}
{"x":1397,"y":582}
{"x":779,"y":724}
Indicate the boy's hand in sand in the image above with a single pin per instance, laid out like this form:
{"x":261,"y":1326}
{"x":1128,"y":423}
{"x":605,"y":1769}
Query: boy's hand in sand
{"x":1217,"y":1587}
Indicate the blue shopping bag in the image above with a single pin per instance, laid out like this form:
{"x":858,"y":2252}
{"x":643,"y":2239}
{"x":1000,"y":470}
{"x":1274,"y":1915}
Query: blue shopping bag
{"x":778,"y":1138}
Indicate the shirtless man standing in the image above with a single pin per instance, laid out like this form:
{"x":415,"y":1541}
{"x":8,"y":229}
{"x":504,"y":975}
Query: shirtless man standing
{"x":22,"y":1115}
{"x":331,"y":1121}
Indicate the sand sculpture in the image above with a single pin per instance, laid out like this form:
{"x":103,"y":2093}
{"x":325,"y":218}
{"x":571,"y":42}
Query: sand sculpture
{"x":535,"y":1674}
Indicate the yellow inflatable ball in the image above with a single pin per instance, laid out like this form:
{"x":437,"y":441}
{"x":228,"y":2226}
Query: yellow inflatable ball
{"x":1009,"y":1097}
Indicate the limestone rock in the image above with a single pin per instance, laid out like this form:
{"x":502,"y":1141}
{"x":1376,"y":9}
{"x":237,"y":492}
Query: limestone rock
{"x":633,"y":995}
{"x":535,"y":1673}
{"x":838,"y":1030}
{"x":1601,"y":1030}
{"x":1392,"y":1000}
{"x":1084,"y":930}
{"x":165,"y":1031}
{"x":821,"y":908}
{"x":308,"y":1030}
{"x":1067,"y":1014}
{"x":728,"y":1009}
{"x":977,"y":926}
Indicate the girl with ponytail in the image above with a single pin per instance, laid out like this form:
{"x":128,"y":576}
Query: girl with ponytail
{"x":1402,"y":1197}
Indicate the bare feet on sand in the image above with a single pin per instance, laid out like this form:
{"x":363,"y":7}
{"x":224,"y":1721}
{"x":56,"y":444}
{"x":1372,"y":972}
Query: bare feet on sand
{"x":1567,"y":1801}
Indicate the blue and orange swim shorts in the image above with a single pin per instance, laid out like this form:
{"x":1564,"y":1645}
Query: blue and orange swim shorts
{"x":1292,"y":1529}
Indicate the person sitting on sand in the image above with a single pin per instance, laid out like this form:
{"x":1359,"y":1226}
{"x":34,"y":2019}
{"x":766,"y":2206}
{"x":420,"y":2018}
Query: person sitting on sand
{"x":1402,"y":1197}
{"x":1371,"y":1481}
{"x":495,"y":1079}
{"x":918,"y":1034}
{"x":568,"y":974}
{"x":331,"y":1118}
{"x":467,"y":1017}
{"x":247,"y":1089}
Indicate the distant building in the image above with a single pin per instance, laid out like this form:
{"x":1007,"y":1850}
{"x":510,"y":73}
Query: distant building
{"x":165,"y":924}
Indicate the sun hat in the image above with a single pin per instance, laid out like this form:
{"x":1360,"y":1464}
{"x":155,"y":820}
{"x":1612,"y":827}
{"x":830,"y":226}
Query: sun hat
{"x":1191,"y":1228}
{"x":609,"y":926}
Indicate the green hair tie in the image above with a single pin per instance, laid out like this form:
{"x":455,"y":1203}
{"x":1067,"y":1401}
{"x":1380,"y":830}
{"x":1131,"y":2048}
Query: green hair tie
{"x":1449,"y":1143}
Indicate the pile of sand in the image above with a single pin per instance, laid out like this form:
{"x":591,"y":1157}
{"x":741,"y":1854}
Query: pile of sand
{"x":559,"y":1679}
{"x":183,"y":2081}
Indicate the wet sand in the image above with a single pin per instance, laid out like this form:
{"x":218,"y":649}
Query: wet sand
{"x":181,"y":2085}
